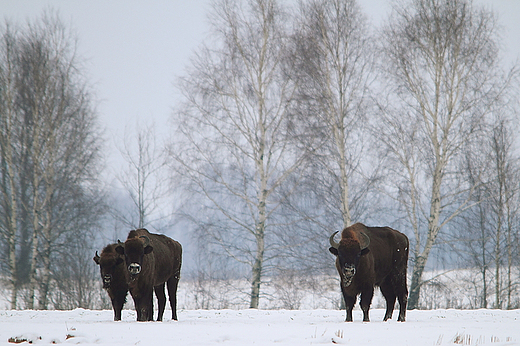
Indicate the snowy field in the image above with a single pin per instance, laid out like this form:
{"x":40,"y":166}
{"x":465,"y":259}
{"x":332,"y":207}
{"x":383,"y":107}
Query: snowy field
{"x":262,"y":327}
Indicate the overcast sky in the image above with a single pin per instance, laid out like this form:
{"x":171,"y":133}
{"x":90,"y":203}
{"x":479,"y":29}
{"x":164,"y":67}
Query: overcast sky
{"x":135,"y":49}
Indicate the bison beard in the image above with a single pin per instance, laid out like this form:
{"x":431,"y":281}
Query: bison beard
{"x":151,"y":260}
{"x":372,"y":256}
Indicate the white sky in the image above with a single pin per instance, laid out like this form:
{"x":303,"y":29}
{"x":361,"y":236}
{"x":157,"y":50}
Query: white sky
{"x":135,"y":49}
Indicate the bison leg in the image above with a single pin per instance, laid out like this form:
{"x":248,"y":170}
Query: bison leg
{"x":173,"y":282}
{"x":401,"y":290}
{"x":366,"y":300}
{"x":403,"y":301}
{"x":144,"y":306}
{"x":117,"y":304}
{"x":161,"y":300}
{"x":150,"y":306}
{"x":402,"y":295}
{"x":349,"y":304}
{"x":388,"y":292}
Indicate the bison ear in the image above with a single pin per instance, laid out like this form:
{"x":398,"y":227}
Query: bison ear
{"x":96,"y":258}
{"x":364,"y":251}
{"x":333,"y":251}
{"x":364,"y":242}
{"x":120,"y":250}
{"x":148,"y":249}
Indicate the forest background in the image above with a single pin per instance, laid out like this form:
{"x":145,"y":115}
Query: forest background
{"x":290,"y":121}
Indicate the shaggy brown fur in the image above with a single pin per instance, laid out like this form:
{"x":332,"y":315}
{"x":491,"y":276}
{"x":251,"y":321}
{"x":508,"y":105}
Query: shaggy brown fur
{"x":383,"y":262}
{"x":111,"y":266}
{"x":152,"y":260}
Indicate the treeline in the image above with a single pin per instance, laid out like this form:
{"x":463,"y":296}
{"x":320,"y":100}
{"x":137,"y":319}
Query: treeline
{"x":298,"y":121}
{"x":295,"y":122}
{"x":50,"y":148}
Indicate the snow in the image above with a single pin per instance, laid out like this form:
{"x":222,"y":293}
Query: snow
{"x":263,"y":327}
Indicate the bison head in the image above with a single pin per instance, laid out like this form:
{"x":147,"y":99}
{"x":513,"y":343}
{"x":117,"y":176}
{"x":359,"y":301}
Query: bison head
{"x":107,"y":266}
{"x":134,"y":250}
{"x":348,"y":253}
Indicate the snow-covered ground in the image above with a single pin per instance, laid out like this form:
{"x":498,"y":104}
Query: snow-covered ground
{"x":263,"y":327}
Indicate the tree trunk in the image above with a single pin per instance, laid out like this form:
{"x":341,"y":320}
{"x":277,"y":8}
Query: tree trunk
{"x":262,"y":200}
{"x":12,"y":244}
{"x":46,"y":263}
{"x":33,"y":282}
{"x":7,"y":117}
{"x":498,"y":304}
{"x":484,"y":266}
{"x":260,"y":249}
{"x":344,"y":188}
{"x":498,"y":238}
{"x":415,"y":286}
{"x":433,"y":231}
{"x":509,"y":245}
{"x":12,"y":218}
{"x":257,"y":273}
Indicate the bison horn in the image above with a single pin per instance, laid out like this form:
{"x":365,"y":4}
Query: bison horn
{"x":96,"y":258}
{"x":146,"y":240}
{"x":365,"y":241}
{"x":332,"y":242}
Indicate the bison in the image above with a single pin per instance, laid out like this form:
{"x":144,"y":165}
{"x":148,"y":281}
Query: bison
{"x":151,"y":261}
{"x":372,"y":256}
{"x":113,"y":276}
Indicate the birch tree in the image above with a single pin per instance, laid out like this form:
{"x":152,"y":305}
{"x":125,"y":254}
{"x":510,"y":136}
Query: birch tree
{"x":487,"y":231}
{"x":231,"y":140}
{"x":334,"y":64}
{"x":441,"y":63}
{"x":52,"y":146}
{"x":503,"y":194}
{"x":8,"y":154}
{"x":144,"y":179}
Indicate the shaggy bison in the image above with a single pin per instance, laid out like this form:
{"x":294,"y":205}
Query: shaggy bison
{"x":372,"y":256}
{"x":111,"y":266}
{"x":151,"y":261}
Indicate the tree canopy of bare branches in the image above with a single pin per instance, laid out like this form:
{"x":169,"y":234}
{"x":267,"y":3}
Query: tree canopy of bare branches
{"x":50,"y":152}
{"x":333,"y":62}
{"x":143,"y":180}
{"x":441,"y":64}
{"x":232,"y":142}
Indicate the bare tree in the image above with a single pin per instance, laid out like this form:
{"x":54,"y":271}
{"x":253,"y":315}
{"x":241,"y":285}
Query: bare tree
{"x":487,"y":232}
{"x":441,"y":63}
{"x":9,"y":168}
{"x":143,"y":179}
{"x":503,"y":203}
{"x":334,"y":64}
{"x":232,"y":140}
{"x":52,"y":126}
{"x":475,"y":235}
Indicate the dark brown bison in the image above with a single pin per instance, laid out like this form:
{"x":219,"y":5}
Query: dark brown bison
{"x":372,"y":256}
{"x":111,"y":266}
{"x":151,"y":261}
